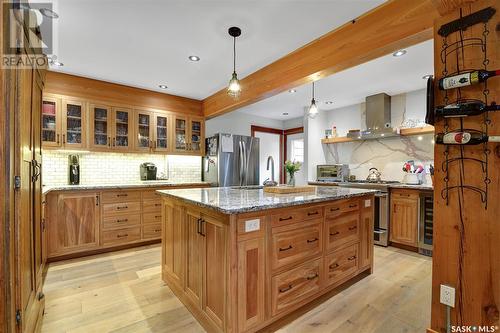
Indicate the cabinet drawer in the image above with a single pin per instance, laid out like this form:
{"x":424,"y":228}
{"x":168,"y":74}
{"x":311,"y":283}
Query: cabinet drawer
{"x":311,"y":213}
{"x":151,"y":231}
{"x":120,"y":196}
{"x":150,"y":195}
{"x":121,"y":221}
{"x":341,"y":264}
{"x":407,"y":194}
{"x":295,"y":245}
{"x":121,"y":236}
{"x":151,"y":206}
{"x":285,"y":218}
{"x":342,"y":207}
{"x":291,"y":287}
{"x":341,"y":230}
{"x":120,"y":208}
{"x":148,"y":218}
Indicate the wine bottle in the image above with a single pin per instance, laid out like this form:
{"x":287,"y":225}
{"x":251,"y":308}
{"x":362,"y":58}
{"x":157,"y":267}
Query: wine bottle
{"x":464,"y":109}
{"x":466,"y":79}
{"x":465,"y":138}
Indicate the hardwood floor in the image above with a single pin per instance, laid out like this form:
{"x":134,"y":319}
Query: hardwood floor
{"x":123,"y":292}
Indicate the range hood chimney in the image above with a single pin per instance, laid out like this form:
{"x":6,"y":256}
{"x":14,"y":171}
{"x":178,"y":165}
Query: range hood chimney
{"x":378,"y":117}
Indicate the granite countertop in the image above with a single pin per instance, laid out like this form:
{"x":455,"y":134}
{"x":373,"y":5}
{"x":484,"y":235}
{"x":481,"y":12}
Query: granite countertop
{"x":236,"y":200}
{"x":147,"y":183}
{"x":423,"y":187}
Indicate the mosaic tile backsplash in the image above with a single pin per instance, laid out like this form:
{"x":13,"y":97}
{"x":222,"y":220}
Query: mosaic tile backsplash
{"x":112,"y":168}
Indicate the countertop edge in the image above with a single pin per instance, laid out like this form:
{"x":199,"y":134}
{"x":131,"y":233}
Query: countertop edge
{"x":420,"y":187}
{"x":48,"y":188}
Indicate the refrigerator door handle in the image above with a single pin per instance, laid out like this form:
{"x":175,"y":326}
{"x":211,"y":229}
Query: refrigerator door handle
{"x":245,"y":164}
{"x":242,"y":162}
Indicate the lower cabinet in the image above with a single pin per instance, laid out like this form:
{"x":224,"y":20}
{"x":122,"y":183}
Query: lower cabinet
{"x":404,"y":217}
{"x":341,"y":264}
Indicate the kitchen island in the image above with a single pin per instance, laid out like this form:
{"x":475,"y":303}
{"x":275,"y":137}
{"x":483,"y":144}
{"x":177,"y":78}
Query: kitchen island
{"x":241,"y":258}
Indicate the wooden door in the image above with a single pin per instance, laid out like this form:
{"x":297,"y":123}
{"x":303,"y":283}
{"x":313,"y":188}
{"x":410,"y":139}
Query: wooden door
{"x":196,"y":135}
{"x":194,"y":256}
{"x":404,"y":221}
{"x":173,"y":243}
{"x":122,"y":129}
{"x":75,"y":228}
{"x":162,"y":132}
{"x":144,"y":130}
{"x":74,"y":124}
{"x":180,"y":133}
{"x":101,"y":123}
{"x":51,"y":122}
{"x":214,"y":273}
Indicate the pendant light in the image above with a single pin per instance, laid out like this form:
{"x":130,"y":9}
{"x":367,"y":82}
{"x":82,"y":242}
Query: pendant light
{"x":313,"y":109}
{"x":234,"y":87}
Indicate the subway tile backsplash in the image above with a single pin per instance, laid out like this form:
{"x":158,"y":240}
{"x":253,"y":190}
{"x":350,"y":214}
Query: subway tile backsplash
{"x":112,"y":168}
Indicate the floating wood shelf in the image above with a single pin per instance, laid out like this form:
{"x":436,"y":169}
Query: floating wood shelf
{"x":403,"y":132}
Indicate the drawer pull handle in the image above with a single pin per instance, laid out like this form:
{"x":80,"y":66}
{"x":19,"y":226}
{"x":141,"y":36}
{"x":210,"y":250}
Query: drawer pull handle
{"x":312,"y":213}
{"x":334,"y":209}
{"x":286,"y":248}
{"x":157,"y":204}
{"x":286,"y":218}
{"x":122,"y":195}
{"x":312,"y":240}
{"x":121,"y":207}
{"x":351,"y":258}
{"x":121,"y":236}
{"x":157,"y":216}
{"x":353,"y":228}
{"x":404,"y":195}
{"x":333,"y":266}
{"x":157,"y":230}
{"x":284,"y":290}
{"x":122,"y":220}
{"x":312,"y":277}
{"x":353,"y":205}
{"x":335,"y":233}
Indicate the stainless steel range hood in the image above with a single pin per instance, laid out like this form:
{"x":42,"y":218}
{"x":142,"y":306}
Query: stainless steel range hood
{"x":378,"y":118}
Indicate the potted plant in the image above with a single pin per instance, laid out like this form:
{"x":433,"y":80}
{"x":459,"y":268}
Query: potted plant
{"x":291,"y":168}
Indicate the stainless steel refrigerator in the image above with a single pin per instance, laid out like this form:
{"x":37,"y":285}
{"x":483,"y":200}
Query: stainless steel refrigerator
{"x":231,"y":160}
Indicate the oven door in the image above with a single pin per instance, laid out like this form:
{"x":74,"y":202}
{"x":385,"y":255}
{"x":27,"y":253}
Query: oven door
{"x":381,"y":222}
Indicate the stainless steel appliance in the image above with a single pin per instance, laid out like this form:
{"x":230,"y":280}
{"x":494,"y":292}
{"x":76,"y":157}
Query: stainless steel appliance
{"x":74,"y":170}
{"x":231,"y":160}
{"x":148,"y":171}
{"x":332,"y":172}
{"x":425,"y":227}
{"x":381,"y":209}
{"x":373,"y":175}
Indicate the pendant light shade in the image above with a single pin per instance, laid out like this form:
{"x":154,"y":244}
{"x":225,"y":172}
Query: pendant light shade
{"x":313,"y":108}
{"x":234,"y":88}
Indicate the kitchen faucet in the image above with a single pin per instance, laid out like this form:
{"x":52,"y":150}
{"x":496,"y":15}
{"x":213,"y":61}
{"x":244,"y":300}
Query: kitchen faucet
{"x":272,"y":182}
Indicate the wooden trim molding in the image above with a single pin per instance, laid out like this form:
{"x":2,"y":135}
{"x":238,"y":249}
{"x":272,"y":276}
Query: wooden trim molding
{"x":117,"y":94}
{"x":394,"y":25}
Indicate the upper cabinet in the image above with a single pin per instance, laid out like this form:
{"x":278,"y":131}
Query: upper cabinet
{"x":69,"y":123}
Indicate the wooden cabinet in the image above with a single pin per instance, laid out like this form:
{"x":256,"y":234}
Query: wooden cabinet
{"x":194,"y":256}
{"x":404,"y":217}
{"x":189,"y":134}
{"x":341,"y":264}
{"x":122,"y":129}
{"x":74,"y":223}
{"x":144,"y":130}
{"x":366,"y":221}
{"x":100,"y":126}
{"x":51,"y":122}
{"x":162,"y":138}
{"x":173,"y":248}
{"x":342,"y":230}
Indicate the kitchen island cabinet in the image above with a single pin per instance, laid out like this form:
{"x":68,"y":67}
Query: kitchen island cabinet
{"x":240,"y":259}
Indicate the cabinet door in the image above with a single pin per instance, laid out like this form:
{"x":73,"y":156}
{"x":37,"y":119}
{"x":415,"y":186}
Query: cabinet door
{"x":180,"y":133}
{"x":366,"y":234}
{"x":162,"y":132}
{"x":144,"y":130}
{"x":74,"y":124}
{"x":122,"y":129}
{"x":173,"y":243}
{"x":404,"y":221}
{"x":194,"y":256}
{"x":214,"y":273}
{"x":76,"y":226}
{"x":100,"y":126}
{"x":196,"y":139}
{"x":51,"y":122}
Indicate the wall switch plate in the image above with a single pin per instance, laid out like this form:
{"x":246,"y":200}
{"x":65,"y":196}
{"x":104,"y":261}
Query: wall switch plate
{"x":447,"y":295}
{"x":368,"y":203}
{"x":252,"y":225}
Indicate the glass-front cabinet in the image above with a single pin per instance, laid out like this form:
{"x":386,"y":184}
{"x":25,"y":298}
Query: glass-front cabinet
{"x":73,"y":124}
{"x":144,"y":130}
{"x":51,"y":122}
{"x":189,"y":134}
{"x":162,"y":132}
{"x":197,"y":141}
{"x":100,"y":126}
{"x":180,"y":133}
{"x":122,"y":129}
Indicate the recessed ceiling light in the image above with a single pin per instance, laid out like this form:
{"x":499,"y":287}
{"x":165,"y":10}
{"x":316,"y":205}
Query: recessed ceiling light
{"x":194,"y":58}
{"x":285,"y":113}
{"x":420,"y":138}
{"x":399,"y":53}
{"x":428,"y":76}
{"x":291,"y":91}
{"x":162,"y":86}
{"x":329,"y":102}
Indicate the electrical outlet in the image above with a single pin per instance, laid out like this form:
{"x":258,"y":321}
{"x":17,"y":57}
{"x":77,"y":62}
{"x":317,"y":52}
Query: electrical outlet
{"x":252,"y":225}
{"x":447,"y":295}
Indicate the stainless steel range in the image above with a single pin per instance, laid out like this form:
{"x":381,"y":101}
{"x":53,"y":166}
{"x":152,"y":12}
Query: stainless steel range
{"x":381,"y":223}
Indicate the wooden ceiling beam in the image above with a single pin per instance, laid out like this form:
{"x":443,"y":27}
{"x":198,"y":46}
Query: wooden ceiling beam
{"x":394,"y":25}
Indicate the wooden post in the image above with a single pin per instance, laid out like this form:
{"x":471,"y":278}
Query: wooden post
{"x":466,"y":232}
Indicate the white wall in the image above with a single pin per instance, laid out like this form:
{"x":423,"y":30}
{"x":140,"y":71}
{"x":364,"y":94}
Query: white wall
{"x":269,"y":146}
{"x":238,"y":123}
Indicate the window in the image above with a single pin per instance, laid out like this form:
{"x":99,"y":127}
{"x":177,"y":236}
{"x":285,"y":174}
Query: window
{"x":298,"y":150}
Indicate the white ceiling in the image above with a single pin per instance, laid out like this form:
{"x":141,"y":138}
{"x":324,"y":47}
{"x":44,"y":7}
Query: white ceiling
{"x":389,"y":74}
{"x":144,"y":43}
